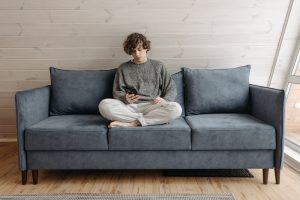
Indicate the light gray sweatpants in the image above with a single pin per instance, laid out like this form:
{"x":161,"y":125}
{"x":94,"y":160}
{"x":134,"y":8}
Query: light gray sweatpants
{"x":146,"y":113}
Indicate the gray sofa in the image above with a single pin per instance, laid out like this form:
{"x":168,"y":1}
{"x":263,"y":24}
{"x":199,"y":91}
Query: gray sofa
{"x":226,"y":124}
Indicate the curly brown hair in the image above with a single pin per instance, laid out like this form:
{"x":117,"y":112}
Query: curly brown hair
{"x":133,"y":40}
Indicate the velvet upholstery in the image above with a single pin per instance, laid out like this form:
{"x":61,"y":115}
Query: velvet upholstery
{"x":175,"y":135}
{"x":178,"y":79}
{"x":68,"y":132}
{"x":230,"y":132}
{"x":32,"y":106}
{"x":267,"y":104}
{"x":150,"y":159}
{"x":216,"y":90}
{"x":79,"y":91}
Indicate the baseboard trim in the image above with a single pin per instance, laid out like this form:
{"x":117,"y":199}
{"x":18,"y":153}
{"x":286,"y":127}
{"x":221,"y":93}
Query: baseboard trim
{"x":8,"y":140}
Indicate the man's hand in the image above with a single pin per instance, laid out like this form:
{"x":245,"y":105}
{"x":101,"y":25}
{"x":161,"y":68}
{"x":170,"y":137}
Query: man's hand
{"x":159,"y":100}
{"x":131,"y":98}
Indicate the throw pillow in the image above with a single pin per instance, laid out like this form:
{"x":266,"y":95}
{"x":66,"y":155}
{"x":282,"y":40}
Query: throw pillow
{"x":79,"y":91}
{"x":216,"y":90}
{"x":178,"y":79}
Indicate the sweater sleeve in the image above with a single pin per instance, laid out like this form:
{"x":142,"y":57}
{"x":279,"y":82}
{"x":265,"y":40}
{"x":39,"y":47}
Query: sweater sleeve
{"x":169,"y":90}
{"x":119,"y":87}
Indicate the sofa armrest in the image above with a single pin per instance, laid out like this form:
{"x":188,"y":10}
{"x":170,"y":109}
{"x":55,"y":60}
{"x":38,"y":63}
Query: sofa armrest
{"x":267,"y":104}
{"x":32,"y":106}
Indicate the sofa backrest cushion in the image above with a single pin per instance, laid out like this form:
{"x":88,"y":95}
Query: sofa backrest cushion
{"x":178,"y":79}
{"x":216,"y":90}
{"x":79,"y":91}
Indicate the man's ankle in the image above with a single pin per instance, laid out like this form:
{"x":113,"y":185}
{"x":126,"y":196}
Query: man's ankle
{"x":137,"y":123}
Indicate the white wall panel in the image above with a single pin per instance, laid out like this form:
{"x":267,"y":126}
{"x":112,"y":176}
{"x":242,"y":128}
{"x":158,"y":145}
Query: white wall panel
{"x":77,"y":34}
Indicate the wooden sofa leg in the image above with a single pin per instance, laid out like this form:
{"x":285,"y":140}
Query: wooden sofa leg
{"x":24,"y":177}
{"x":277,"y":176}
{"x":35,"y":176}
{"x":265,"y":176}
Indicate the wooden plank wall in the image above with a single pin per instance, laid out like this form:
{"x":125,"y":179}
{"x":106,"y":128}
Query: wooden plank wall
{"x":88,"y":34}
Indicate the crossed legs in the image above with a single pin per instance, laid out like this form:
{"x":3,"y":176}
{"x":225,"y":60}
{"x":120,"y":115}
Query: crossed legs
{"x":142,"y":114}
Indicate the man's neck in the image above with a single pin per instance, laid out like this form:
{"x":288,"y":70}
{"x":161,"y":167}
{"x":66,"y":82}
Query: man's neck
{"x":139,"y":62}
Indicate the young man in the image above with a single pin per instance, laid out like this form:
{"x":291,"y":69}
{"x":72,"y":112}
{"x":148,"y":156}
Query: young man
{"x":143,"y":90}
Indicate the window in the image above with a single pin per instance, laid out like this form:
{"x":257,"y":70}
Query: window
{"x":292,"y":114}
{"x":292,"y":117}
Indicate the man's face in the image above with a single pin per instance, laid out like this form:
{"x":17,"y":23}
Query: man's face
{"x":139,"y":53}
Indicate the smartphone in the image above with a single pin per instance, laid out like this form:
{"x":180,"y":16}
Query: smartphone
{"x":131,"y":90}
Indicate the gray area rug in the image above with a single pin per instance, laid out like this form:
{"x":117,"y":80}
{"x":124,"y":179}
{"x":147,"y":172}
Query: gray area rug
{"x":209,"y":173}
{"x":119,"y":197}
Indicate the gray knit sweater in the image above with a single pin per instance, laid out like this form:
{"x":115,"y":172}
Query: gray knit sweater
{"x":150,"y":79}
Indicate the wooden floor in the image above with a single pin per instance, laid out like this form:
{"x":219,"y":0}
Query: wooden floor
{"x":139,"y":182}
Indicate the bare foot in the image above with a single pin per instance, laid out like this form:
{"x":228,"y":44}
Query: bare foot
{"x":123,"y":124}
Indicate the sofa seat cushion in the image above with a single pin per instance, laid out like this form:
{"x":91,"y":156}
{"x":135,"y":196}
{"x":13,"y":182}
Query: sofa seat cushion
{"x":68,"y":132}
{"x":230,"y":132}
{"x":175,"y":135}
